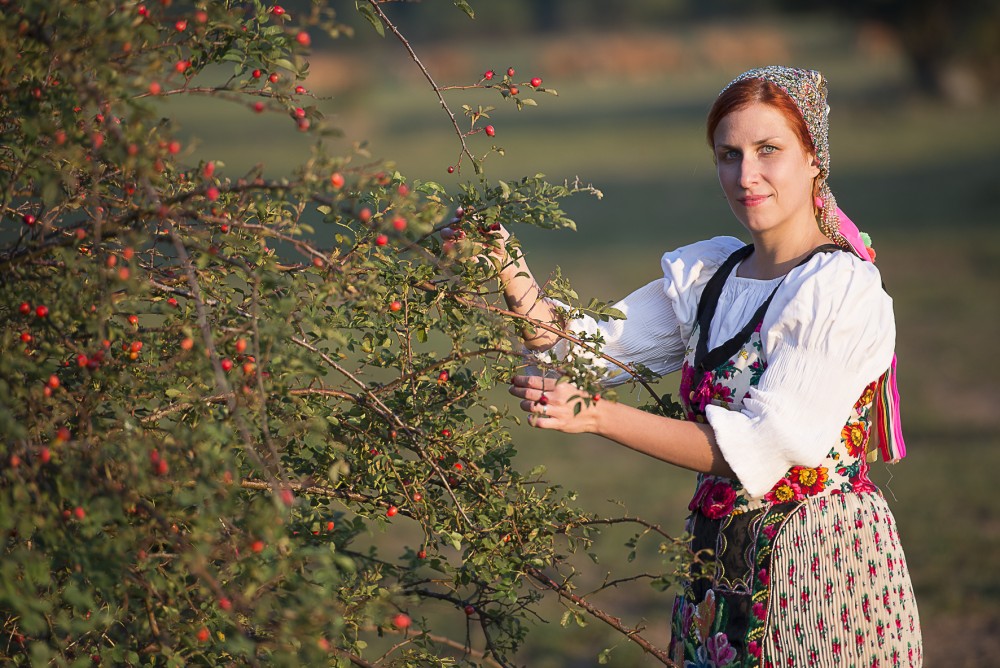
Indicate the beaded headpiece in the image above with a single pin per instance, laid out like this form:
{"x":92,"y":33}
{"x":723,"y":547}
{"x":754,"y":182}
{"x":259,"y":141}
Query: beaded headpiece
{"x":807,"y":89}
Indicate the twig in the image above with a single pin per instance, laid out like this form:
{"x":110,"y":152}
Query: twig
{"x":613,"y":622}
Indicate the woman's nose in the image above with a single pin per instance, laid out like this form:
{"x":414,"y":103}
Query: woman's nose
{"x":749,"y":173}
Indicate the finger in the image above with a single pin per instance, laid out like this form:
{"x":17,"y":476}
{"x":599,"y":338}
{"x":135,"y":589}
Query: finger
{"x":529,"y":406}
{"x":535,"y":382}
{"x":539,"y":422}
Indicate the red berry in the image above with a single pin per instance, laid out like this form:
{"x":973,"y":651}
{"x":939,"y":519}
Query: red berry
{"x":422,"y":554}
{"x":44,"y":455}
{"x":490,"y":131}
{"x":401,"y":621}
{"x":155,"y":88}
{"x":172,"y":301}
{"x":181,"y":25}
{"x":451,"y":170}
{"x":469,"y":609}
{"x":303,"y":38}
{"x":299,"y":90}
{"x":136,"y":346}
{"x":128,"y":253}
{"x":403,"y":190}
{"x":277,"y":10}
{"x":53,"y":381}
{"x":241,"y":346}
{"x":399,"y":223}
{"x":82,"y":360}
{"x":381,"y":240}
{"x":225,"y":604}
{"x":25,"y":337}
{"x":29,"y":219}
{"x":174,"y":147}
{"x":287,"y":497}
{"x":161,"y":467}
{"x":187,"y":343}
{"x":536,"y":82}
{"x":513,"y":90}
{"x":182,"y":65}
{"x":365,"y":215}
{"x":79,"y":512}
{"x":133,"y":320}
{"x":510,"y":71}
{"x":489,"y":74}
{"x":63,"y":435}
{"x":15,"y":461}
{"x":42,"y":311}
{"x":212,"y":193}
{"x":443,"y":377}
{"x":226,"y":364}
{"x":417,"y":496}
{"x":543,"y":400}
{"x":446,"y":432}
{"x":24,"y":308}
{"x":258,"y":107}
{"x":201,"y":16}
{"x":337,"y":180}
{"x":392,"y":510}
{"x":330,"y":525}
{"x":202,"y":634}
{"x":273,"y":77}
{"x":256,"y":74}
{"x":394,"y":306}
{"x":458,"y":466}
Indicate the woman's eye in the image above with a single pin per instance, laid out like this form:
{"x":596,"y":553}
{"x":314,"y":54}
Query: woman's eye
{"x":768,"y":149}
{"x":731,"y":155}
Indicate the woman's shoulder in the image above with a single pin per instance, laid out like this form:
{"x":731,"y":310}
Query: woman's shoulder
{"x":695,"y":260}
{"x":835,"y":274}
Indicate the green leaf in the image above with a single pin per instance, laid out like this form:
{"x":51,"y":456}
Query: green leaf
{"x":464,"y":6}
{"x":370,"y":15}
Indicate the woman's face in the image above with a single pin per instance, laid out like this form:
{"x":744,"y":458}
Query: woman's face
{"x":764,"y":171}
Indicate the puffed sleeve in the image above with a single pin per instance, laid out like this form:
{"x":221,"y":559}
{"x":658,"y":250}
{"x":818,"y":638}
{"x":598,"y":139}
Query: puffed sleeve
{"x":658,"y":316}
{"x":828,"y":333}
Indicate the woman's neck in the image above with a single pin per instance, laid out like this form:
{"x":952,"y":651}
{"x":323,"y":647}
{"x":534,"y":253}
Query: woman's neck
{"x":776,"y":254}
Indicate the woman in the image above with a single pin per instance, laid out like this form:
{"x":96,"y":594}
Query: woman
{"x":784,"y":346}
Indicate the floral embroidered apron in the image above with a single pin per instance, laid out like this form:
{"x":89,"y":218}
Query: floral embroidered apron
{"x":810,"y":574}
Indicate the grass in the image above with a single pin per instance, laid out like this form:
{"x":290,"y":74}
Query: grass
{"x":921,"y":177}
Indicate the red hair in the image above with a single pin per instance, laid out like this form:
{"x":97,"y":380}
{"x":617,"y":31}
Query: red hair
{"x":753,"y":91}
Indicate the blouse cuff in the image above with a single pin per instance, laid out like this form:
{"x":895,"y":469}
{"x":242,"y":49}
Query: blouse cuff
{"x":792,"y":418}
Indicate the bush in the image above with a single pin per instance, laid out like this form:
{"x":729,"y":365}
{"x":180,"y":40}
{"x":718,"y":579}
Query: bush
{"x":215,"y":386}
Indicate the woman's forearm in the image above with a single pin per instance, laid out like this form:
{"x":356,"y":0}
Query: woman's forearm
{"x":690,"y":445}
{"x":524,"y":296}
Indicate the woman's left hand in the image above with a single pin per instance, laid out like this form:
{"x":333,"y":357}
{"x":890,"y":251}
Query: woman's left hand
{"x":551,"y":404}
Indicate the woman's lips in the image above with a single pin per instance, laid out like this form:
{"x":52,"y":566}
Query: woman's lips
{"x":752,"y":200}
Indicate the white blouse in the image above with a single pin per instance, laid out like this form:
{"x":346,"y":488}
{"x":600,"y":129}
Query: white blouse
{"x":827,"y":334}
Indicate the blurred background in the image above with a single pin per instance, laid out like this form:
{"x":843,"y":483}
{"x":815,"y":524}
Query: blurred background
{"x":915,"y":162}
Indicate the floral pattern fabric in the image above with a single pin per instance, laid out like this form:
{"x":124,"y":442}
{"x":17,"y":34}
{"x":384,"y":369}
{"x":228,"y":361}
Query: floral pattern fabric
{"x":810,"y":574}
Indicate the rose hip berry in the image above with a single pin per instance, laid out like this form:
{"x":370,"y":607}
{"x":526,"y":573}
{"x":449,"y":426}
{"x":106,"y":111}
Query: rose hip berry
{"x":490,"y":131}
{"x":536,"y":82}
{"x":489,"y":74}
{"x":510,"y":71}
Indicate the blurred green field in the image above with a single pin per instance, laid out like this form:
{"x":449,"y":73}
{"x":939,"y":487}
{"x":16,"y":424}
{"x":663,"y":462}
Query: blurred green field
{"x":922,"y":178}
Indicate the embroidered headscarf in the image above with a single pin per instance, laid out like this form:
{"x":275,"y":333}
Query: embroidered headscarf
{"x":807,"y":89}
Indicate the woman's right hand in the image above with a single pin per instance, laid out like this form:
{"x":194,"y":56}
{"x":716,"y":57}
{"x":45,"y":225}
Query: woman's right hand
{"x":493,"y":247}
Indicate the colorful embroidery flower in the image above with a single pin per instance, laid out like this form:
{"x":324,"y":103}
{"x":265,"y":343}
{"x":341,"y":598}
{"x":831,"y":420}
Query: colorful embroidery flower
{"x":811,"y":481}
{"x":700,"y":493}
{"x":866,"y":397}
{"x":784,"y":490}
{"x":720,"y":652}
{"x":719,"y":501}
{"x":855,"y":438}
